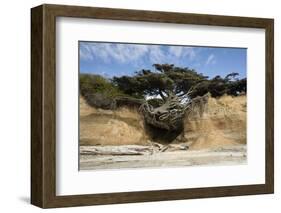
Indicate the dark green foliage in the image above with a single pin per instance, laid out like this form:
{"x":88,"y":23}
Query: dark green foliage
{"x":98,"y":91}
{"x":90,"y":84}
{"x":237,"y":87}
{"x":219,"y":86}
{"x":165,"y":80}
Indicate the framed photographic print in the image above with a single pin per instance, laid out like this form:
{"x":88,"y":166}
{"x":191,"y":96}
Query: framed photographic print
{"x":136,"y":106}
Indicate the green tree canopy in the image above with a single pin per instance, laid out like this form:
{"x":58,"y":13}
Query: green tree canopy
{"x":164,"y":80}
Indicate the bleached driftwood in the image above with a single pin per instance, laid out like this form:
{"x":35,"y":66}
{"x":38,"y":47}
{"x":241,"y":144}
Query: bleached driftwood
{"x":115,"y":150}
{"x":236,"y":154}
{"x":131,"y":149}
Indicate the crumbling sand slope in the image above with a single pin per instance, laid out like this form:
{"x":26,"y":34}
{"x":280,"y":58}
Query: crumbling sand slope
{"x":107,"y":127}
{"x":222,"y":124}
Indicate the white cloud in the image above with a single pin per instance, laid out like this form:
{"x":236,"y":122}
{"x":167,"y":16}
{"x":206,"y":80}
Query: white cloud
{"x":180,"y":51}
{"x":126,"y":52}
{"x":108,"y":51}
{"x":85,"y":52}
{"x":176,"y":51}
{"x":156,"y":54}
{"x":135,"y":54}
{"x":211,"y":59}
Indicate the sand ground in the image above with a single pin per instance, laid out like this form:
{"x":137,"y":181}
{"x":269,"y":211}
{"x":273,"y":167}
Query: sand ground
{"x":232,"y":155}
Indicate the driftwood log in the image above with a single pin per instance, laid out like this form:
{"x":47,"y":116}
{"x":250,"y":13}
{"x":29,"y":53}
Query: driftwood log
{"x":131,"y":149}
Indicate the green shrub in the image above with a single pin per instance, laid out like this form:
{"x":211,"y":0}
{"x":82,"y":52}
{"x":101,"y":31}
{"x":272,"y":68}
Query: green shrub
{"x":98,"y":91}
{"x":91,"y":84}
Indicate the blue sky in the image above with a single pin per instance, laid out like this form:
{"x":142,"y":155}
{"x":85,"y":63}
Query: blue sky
{"x":117,"y":59}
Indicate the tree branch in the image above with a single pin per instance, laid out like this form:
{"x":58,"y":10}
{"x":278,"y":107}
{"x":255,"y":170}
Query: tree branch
{"x":191,"y":89}
{"x":162,"y":95}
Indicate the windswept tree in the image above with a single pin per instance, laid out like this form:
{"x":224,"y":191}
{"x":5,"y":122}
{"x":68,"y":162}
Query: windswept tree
{"x":171,"y":86}
{"x":163,"y":82}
